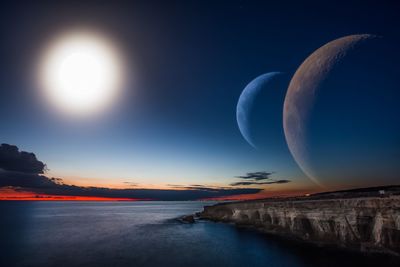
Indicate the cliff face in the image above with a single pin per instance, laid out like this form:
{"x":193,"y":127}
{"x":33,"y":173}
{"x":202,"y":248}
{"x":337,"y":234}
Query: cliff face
{"x":364,"y":224}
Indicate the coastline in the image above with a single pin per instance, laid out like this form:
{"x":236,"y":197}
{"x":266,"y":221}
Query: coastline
{"x":362,"y":220}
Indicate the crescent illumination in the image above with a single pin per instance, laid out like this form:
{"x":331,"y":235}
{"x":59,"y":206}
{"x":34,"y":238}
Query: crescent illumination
{"x":246,"y":102}
{"x":301,"y":93}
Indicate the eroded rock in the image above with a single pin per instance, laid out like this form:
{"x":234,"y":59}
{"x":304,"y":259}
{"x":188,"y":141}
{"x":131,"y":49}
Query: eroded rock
{"x":363,"y":224}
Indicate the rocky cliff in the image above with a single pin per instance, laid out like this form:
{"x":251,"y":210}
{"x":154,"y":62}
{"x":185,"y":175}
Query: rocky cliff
{"x":369,"y":224}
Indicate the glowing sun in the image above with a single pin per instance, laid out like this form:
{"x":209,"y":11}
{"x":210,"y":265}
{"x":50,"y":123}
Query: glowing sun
{"x":81,"y":73}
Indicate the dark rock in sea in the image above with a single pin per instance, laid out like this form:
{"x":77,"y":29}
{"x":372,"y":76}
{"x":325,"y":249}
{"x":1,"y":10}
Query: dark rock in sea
{"x":187,"y":219}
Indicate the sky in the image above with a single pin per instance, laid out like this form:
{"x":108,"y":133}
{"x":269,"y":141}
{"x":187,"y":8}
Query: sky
{"x":173,"y":126}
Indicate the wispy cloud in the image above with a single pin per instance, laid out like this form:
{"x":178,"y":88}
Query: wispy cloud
{"x":260,"y":183}
{"x":257,"y":176}
{"x":201,"y":187}
{"x":131,"y":184}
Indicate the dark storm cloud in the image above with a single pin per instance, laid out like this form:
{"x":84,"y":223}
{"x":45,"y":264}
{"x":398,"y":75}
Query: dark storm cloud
{"x":11,"y":159}
{"x":20,"y":179}
{"x":261,"y":183}
{"x":257,"y":176}
{"x":16,"y":172}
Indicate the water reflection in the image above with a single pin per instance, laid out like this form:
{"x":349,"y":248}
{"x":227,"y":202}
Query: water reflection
{"x":142,"y":234}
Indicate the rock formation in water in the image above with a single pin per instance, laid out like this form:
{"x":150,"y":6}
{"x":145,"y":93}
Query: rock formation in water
{"x":367,"y":224}
{"x":187,"y":219}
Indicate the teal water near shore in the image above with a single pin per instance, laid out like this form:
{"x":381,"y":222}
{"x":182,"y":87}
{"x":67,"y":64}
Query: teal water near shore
{"x":143,"y":234}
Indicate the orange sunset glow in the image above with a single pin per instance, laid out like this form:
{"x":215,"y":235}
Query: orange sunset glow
{"x":11,"y":194}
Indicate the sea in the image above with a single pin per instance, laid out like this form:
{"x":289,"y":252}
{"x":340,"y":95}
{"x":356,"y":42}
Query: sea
{"x":146,"y":233}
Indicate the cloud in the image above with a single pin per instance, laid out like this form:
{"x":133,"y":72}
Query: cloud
{"x":131,"y":184}
{"x":11,"y":159}
{"x":201,"y":187}
{"x":257,"y":176}
{"x":22,"y":171}
{"x":205,"y":188}
{"x":260,"y":183}
{"x":40,"y":184}
{"x":21,"y":179}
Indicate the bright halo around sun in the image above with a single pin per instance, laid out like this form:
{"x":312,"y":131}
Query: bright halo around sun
{"x":81,"y":73}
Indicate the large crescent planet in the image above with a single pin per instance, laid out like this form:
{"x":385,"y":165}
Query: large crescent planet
{"x":300,"y":96}
{"x":246,"y":102}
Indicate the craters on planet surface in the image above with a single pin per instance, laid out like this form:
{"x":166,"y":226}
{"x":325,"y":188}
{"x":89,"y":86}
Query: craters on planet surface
{"x":340,"y":115}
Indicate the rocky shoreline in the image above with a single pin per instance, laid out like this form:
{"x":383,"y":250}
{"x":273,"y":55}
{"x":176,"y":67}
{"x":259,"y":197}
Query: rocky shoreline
{"x":365,"y":223}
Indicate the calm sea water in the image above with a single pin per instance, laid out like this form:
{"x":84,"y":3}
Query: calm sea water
{"x":139,"y":234}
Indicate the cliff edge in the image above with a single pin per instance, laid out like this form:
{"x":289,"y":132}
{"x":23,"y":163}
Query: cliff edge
{"x":366,"y":224}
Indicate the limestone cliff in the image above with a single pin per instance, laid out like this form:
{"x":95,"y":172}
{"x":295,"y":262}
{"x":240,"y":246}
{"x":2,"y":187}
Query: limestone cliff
{"x":369,"y":224}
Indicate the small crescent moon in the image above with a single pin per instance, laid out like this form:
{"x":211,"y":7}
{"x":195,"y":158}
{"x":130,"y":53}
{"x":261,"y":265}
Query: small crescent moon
{"x":246,"y":101}
{"x":301,"y":93}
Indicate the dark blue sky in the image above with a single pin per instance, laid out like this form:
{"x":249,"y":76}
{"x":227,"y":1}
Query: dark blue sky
{"x":176,"y":123}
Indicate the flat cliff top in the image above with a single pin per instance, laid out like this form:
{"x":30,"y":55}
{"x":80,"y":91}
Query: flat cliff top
{"x":386,"y":192}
